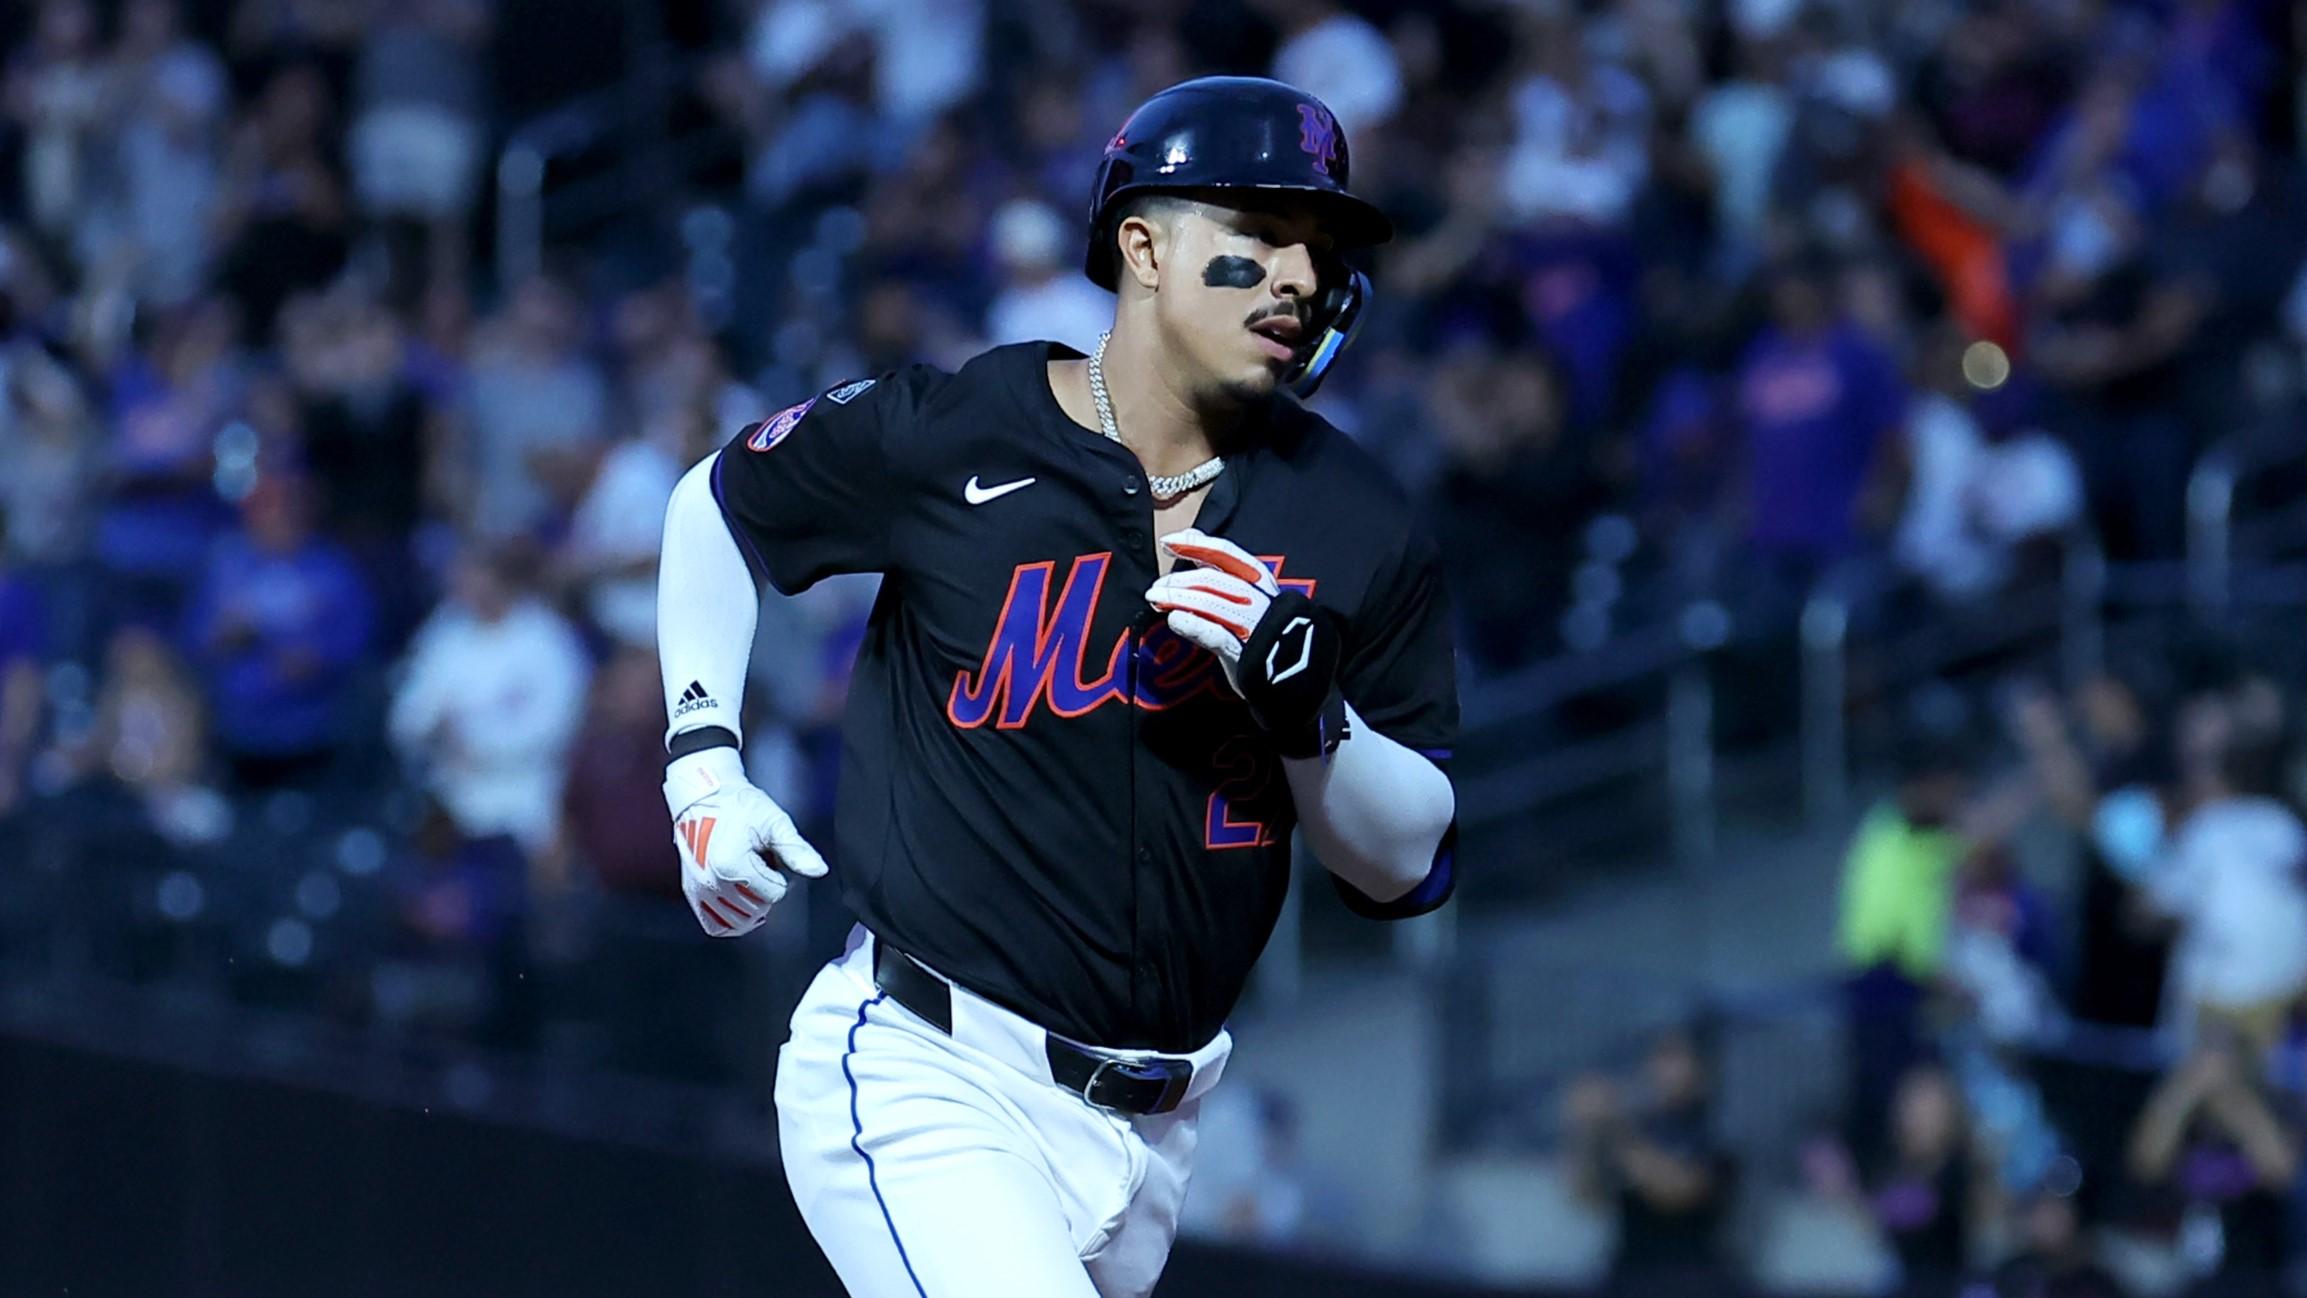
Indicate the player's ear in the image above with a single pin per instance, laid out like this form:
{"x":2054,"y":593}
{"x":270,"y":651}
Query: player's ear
{"x":1142,"y":245}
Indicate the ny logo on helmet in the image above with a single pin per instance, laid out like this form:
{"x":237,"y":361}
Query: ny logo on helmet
{"x":1318,"y":135}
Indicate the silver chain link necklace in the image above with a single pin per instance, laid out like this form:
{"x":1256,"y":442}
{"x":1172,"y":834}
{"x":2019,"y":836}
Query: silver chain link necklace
{"x":1163,"y":488}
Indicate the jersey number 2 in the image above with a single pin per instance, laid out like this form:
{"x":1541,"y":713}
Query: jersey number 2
{"x":1247,"y":774}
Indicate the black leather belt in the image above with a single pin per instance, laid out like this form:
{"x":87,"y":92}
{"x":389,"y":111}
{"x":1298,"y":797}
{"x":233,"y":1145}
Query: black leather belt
{"x":1138,"y":1087}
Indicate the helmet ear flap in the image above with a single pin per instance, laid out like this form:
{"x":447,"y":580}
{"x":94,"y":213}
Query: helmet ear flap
{"x":1339,"y":317}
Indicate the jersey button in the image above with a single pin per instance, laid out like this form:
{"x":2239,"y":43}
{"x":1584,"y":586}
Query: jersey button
{"x":1129,"y":486}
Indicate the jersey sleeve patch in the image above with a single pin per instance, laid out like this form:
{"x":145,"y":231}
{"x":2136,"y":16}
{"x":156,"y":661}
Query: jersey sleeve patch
{"x":848,"y":392}
{"x":773,"y":429}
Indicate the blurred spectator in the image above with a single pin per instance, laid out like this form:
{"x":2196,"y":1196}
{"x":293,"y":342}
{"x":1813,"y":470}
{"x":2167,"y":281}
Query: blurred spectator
{"x":362,"y":419}
{"x":2116,"y":319}
{"x":458,"y":959}
{"x":2244,"y":214}
{"x":419,"y":103}
{"x":1819,"y":406}
{"x":1978,"y":487}
{"x":1682,"y":453}
{"x":50,"y":443}
{"x":1999,"y":949}
{"x":282,"y":219}
{"x":926,"y":54}
{"x":1741,"y":124}
{"x":1897,"y":898}
{"x":1338,"y":57}
{"x":491,"y":696}
{"x":2105,"y":776}
{"x":1578,"y":291}
{"x":151,"y":738}
{"x":2232,"y":879}
{"x":461,"y":891}
{"x":1255,"y":1190}
{"x":167,"y":404}
{"x":56,"y":97}
{"x":2219,"y":1162}
{"x":23,"y":647}
{"x":539,"y":411}
{"x":169,"y":145}
{"x":1925,"y":1189}
{"x":275,"y":631}
{"x":1832,"y":169}
{"x":1993,"y":87}
{"x":930,"y":57}
{"x":610,"y":810}
{"x":1514,"y":481}
{"x":803,"y":108}
{"x":666,"y":359}
{"x":2054,"y":1256}
{"x":923,"y":238}
{"x":264,"y":31}
{"x":368,"y":435}
{"x":1058,"y":128}
{"x":2001,"y":1006}
{"x":1928,"y":1191}
{"x":1581,"y":126}
{"x":1655,"y":1156}
{"x":610,"y":557}
{"x":1043,"y":294}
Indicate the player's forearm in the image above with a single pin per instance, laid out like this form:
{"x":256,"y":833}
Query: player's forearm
{"x":1376,"y":812}
{"x":707,"y":607}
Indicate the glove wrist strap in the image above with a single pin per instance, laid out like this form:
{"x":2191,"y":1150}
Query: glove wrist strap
{"x":700,"y":774}
{"x":1289,"y":674}
{"x":698,"y":740}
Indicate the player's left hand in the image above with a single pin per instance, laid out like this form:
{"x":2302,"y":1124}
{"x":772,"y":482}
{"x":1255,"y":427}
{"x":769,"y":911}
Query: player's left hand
{"x":1279,"y":652}
{"x":732,"y":877}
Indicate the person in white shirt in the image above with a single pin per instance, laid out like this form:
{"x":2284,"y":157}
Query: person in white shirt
{"x":1043,"y":295}
{"x":2235,"y":879}
{"x":492,"y":696}
{"x":1341,"y":59}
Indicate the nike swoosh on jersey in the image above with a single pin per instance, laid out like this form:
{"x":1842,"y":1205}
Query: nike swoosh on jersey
{"x":977,"y":495}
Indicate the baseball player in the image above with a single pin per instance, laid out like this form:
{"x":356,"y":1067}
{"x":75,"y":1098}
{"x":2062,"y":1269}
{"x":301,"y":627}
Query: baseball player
{"x":1141,"y":616}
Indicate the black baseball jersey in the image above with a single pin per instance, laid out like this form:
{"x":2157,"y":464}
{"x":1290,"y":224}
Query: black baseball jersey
{"x":1046,"y":795}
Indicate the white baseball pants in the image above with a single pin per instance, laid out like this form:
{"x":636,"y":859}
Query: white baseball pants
{"x":936,"y":1166}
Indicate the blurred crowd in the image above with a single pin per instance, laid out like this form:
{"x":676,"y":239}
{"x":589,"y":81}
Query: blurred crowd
{"x":328,"y":537}
{"x":2073,"y":1015}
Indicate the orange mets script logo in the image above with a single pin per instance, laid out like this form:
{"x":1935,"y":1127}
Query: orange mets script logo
{"x":1040,"y":653}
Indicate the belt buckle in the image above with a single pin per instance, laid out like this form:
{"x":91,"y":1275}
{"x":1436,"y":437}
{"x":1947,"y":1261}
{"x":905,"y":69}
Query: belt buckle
{"x":1173,"y":1082}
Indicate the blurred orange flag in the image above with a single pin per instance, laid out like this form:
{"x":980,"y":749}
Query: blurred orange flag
{"x":1961,"y":250}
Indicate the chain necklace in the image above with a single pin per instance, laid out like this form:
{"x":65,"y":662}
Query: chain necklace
{"x":1164,"y":488}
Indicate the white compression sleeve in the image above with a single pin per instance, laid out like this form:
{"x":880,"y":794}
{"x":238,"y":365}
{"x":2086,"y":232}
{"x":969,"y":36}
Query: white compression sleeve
{"x":1375,"y":811}
{"x":707,"y":606}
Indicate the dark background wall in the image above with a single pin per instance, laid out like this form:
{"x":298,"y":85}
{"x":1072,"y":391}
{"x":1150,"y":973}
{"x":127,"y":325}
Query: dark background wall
{"x":130,"y":1179}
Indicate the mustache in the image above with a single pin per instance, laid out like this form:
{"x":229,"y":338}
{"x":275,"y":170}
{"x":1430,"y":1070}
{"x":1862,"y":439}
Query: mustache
{"x":1304,"y":315}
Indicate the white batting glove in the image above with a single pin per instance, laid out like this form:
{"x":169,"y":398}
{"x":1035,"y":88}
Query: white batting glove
{"x":736,"y":844}
{"x":1279,"y":652}
{"x":1215,"y":596}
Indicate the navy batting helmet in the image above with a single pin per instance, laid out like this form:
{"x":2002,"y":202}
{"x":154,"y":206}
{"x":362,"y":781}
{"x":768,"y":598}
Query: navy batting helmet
{"x":1243,"y":133}
{"x":1230,"y":133}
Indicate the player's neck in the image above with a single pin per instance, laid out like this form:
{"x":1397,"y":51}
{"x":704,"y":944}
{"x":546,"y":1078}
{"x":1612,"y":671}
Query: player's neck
{"x":1157,"y":419}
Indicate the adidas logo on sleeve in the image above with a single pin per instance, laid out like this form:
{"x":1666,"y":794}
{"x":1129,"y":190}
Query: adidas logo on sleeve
{"x":692,"y":699}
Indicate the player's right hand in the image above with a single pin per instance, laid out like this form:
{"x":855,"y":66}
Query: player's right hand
{"x":737,"y":845}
